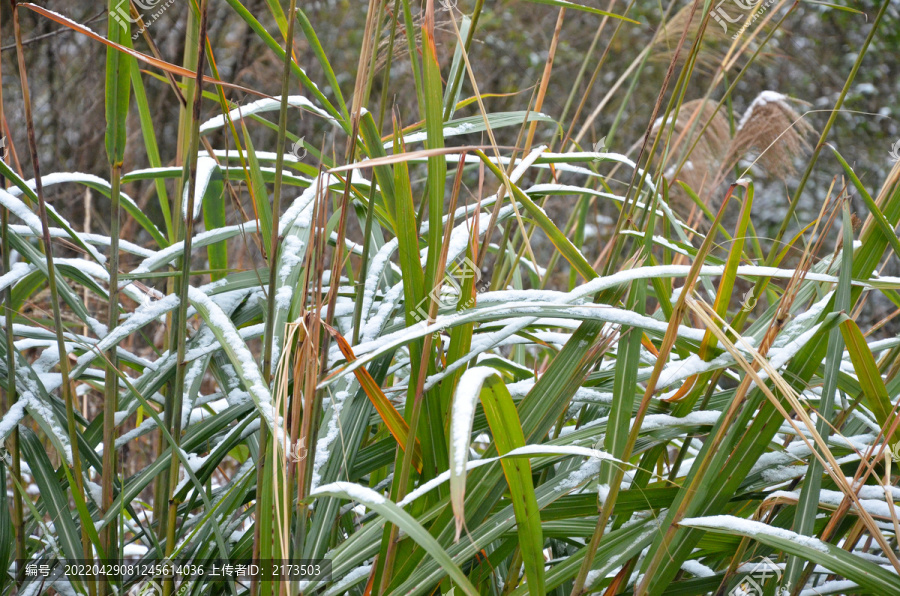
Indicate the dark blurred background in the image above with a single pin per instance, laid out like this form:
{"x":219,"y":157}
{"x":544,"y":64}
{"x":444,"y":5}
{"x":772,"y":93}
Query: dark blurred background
{"x":808,"y":59}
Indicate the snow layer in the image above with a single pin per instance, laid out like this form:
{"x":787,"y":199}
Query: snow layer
{"x":747,"y":527}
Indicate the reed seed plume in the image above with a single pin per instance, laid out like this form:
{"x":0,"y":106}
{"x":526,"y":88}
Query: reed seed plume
{"x":773,"y":130}
{"x":708,"y":147}
{"x":713,"y":45}
{"x":771,"y":134}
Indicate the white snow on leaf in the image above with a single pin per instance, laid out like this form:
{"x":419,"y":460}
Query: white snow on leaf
{"x":658,"y":421}
{"x":361,"y":494}
{"x":268,"y":104}
{"x":332,"y":430}
{"x":16,"y":272}
{"x":697,"y":568}
{"x":206,"y":167}
{"x":11,"y":418}
{"x":350,"y":579}
{"x":21,"y":210}
{"x":292,"y":252}
{"x":578,"y":477}
{"x":838,"y":586}
{"x":140,"y":317}
{"x":872,"y":500}
{"x":452,"y":129}
{"x":173,"y":251}
{"x":134,"y":550}
{"x":748,"y":527}
{"x":462,"y":414}
{"x":95,"y":491}
{"x":238,"y":352}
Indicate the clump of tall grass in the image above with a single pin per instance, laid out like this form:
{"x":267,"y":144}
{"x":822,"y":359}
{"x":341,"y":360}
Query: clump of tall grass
{"x":420,"y":369}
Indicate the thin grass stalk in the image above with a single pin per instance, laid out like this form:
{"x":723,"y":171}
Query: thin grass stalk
{"x":338,"y":254}
{"x":118,"y":90}
{"x":809,"y":496}
{"x":386,"y":71}
{"x":366,"y":57}
{"x":184,"y":285}
{"x":162,"y":490}
{"x":583,"y":69}
{"x":824,"y":135}
{"x":415,"y":417}
{"x":410,"y":28}
{"x":281,"y":472}
{"x":575,"y":225}
{"x":295,"y":409}
{"x":457,"y":80}
{"x":639,"y":61}
{"x":259,"y":511}
{"x":10,"y":389}
{"x":637,"y":181}
{"x":273,"y":272}
{"x":504,"y":178}
{"x":671,"y":116}
{"x":111,"y":383}
{"x":149,"y":135}
{"x":68,"y":389}
{"x":507,"y":267}
{"x":307,"y":428}
{"x":373,"y":56}
{"x":370,"y":212}
{"x":11,"y":397}
{"x":276,"y":199}
{"x":311,"y":371}
{"x":364,"y":265}
{"x":529,"y":138}
{"x":668,"y":343}
{"x":545,"y":78}
{"x":726,"y":96}
{"x":502,"y":261}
